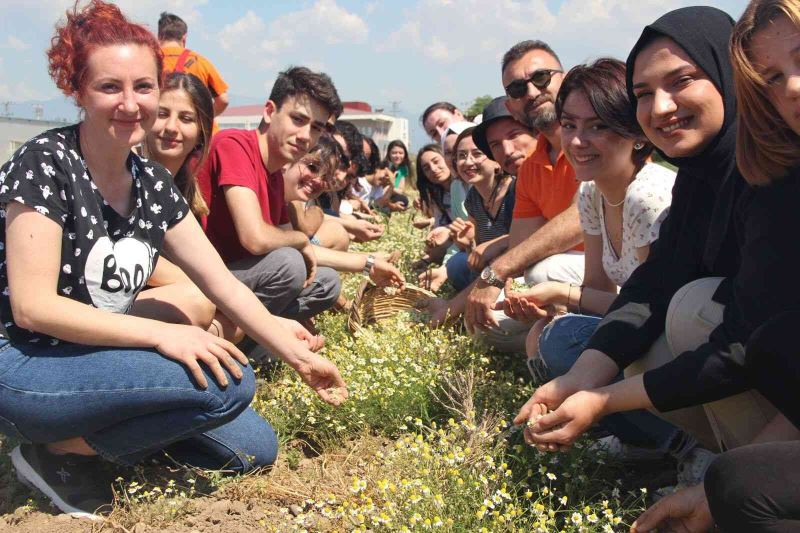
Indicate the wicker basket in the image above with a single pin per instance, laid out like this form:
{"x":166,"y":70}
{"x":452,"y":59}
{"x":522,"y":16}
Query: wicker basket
{"x":372,"y":304}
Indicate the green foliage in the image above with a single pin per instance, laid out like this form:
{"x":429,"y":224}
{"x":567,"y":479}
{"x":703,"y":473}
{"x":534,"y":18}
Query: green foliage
{"x":478,"y":104}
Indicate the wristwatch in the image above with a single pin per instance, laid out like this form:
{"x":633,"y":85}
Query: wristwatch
{"x":488,"y":275}
{"x":368,"y":265}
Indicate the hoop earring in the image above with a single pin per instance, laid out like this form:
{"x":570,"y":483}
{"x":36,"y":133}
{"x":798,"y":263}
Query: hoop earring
{"x":638,"y":146}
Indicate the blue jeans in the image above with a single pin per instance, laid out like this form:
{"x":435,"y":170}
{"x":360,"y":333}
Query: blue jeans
{"x":561,"y":343}
{"x":458,"y":272}
{"x":129,"y":403}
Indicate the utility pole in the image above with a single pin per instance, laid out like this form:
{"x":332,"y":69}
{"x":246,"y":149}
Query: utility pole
{"x":38,"y":111}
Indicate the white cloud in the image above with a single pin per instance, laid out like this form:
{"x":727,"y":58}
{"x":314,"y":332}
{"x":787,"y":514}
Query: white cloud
{"x":237,"y":34}
{"x":15,"y":43}
{"x":324,"y":22}
{"x":19,"y":91}
{"x":444,"y":31}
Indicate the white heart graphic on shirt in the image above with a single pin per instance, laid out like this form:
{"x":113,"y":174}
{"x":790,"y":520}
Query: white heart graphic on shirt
{"x":116,"y":272}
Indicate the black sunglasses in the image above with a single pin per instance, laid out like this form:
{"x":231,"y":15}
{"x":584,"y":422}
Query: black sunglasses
{"x":540,"y":79}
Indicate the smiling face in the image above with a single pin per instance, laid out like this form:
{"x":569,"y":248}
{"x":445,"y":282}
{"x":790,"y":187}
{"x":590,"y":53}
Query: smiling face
{"x":448,"y":147}
{"x":303,"y":180}
{"x":510,"y":142}
{"x":775,"y":53}
{"x":384,"y":176}
{"x":473,"y":166}
{"x":294,"y":128}
{"x":678,"y":107}
{"x":537,"y":107}
{"x":434,"y":167}
{"x":120,"y":95}
{"x":176,"y":131}
{"x":397,"y":155}
{"x":590,"y":146}
{"x":437,"y":121}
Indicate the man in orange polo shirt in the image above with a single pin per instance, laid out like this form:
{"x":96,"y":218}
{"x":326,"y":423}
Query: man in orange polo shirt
{"x":172,"y":32}
{"x":545,"y":241}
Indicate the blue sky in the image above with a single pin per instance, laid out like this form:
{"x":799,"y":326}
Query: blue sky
{"x":377,"y":51}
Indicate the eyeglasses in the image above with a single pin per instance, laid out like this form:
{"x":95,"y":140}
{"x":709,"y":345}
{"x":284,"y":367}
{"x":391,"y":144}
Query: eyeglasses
{"x":463,"y":156}
{"x":540,"y":79}
{"x":311,"y":168}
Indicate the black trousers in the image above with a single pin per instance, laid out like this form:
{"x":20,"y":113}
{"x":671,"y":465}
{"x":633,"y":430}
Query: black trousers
{"x":756,"y":488}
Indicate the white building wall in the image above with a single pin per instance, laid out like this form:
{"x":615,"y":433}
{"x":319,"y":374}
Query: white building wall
{"x":14,"y":132}
{"x":239,"y":122}
{"x":382,"y":128}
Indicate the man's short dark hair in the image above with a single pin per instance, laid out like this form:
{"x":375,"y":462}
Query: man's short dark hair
{"x":355,"y":143}
{"x":447,"y":106}
{"x":301,"y":80}
{"x":171,"y":27}
{"x":520,"y":49}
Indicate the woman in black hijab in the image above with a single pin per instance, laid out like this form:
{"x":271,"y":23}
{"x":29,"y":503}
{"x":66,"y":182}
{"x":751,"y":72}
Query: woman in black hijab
{"x":723,"y":258}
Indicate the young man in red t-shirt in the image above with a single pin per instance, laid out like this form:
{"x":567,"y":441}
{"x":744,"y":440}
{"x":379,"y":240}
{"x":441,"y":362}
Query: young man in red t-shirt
{"x":243,"y":187}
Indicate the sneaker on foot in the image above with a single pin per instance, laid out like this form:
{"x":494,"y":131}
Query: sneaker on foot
{"x":692,"y":469}
{"x":76,"y":484}
{"x":614,"y":448}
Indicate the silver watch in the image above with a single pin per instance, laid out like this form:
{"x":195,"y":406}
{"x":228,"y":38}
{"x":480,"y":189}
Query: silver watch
{"x":488,"y":275}
{"x":368,"y":265}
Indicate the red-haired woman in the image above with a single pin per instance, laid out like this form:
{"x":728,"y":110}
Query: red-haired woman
{"x":85,"y":220}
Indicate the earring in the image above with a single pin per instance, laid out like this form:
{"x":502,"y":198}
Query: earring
{"x":638,"y":146}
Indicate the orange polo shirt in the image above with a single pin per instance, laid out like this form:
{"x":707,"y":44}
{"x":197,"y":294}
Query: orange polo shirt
{"x":544,"y":190}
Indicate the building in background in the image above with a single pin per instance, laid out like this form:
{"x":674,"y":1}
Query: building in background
{"x":14,"y":132}
{"x":381,"y":127}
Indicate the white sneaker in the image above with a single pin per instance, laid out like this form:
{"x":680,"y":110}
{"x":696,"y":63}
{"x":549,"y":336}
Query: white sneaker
{"x":692,"y":469}
{"x":614,"y":448}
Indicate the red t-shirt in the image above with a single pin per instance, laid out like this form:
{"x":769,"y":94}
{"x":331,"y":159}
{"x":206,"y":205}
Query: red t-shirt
{"x":235,"y":159}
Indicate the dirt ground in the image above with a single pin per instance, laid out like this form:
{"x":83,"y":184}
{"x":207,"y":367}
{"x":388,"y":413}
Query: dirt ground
{"x":266,"y":501}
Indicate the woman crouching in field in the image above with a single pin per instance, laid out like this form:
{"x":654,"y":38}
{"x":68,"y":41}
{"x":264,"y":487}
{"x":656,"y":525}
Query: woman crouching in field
{"x":84,"y":381}
{"x":754,"y":488}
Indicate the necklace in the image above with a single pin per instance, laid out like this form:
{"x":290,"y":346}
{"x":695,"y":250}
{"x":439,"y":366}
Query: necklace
{"x":609,"y":204}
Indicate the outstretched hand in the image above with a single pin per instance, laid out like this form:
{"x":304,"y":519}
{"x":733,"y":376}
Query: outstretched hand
{"x":545,"y":399}
{"x":438,"y":310}
{"x":563,"y":426}
{"x":544,"y":299}
{"x":685,"y":511}
{"x":385,"y":274}
{"x":323,"y":377}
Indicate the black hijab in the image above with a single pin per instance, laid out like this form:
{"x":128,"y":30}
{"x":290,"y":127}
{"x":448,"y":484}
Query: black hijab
{"x":704,"y":33}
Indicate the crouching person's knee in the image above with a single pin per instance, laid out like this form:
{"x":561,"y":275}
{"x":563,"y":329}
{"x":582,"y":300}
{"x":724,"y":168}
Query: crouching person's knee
{"x":333,"y":235}
{"x":733,"y":498}
{"x":290,"y":268}
{"x":199,"y":310}
{"x":233,"y":399}
{"x":258,"y":448}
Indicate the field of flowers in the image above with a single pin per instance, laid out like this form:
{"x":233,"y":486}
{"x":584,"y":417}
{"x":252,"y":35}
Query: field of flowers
{"x":423,"y":443}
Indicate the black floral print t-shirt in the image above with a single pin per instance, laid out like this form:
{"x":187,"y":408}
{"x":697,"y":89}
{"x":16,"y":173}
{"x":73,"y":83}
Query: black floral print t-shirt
{"x":106,"y":258}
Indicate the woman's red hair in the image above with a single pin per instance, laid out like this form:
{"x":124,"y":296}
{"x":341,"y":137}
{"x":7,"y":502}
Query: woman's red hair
{"x":98,"y":24}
